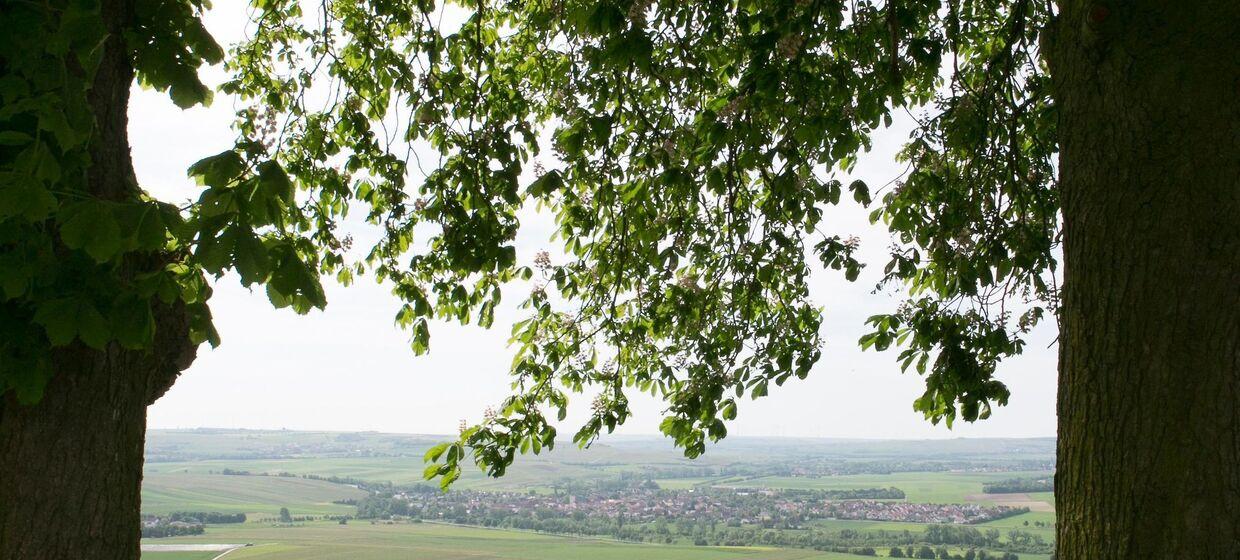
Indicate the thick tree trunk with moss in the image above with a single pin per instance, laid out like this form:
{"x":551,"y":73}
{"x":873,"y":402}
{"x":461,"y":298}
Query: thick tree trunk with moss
{"x":1149,"y":423}
{"x":71,"y":465}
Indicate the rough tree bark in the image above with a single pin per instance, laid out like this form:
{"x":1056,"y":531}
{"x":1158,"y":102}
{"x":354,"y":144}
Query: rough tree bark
{"x":1149,"y":429}
{"x":71,"y":466}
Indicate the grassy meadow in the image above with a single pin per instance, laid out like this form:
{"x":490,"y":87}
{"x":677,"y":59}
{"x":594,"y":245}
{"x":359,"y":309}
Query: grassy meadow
{"x":363,"y":541}
{"x":179,"y":555}
{"x":256,"y":496}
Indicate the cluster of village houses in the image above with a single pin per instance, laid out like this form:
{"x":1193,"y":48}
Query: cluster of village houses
{"x":639,"y":505}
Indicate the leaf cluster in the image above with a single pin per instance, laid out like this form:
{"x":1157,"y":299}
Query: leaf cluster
{"x":687,"y":151}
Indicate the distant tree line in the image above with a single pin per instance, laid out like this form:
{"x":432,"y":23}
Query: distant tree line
{"x":940,"y":553}
{"x":181,"y":523}
{"x":380,"y":507}
{"x":1020,"y":485}
{"x":209,"y":517}
{"x":350,"y":481}
{"x":160,"y":527}
{"x":171,"y":530}
{"x":1017,"y":540}
{"x":892,"y":493}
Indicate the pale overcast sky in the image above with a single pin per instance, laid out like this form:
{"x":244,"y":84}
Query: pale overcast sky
{"x":350,"y":368}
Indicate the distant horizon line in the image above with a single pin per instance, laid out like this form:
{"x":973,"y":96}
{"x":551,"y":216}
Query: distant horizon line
{"x":603,"y":438}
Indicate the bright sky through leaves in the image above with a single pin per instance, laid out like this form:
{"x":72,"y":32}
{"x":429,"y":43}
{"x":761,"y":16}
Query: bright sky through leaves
{"x":350,"y":368}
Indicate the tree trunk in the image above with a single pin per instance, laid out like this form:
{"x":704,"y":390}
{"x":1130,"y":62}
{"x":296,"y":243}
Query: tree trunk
{"x":71,"y":465}
{"x":1149,"y":429}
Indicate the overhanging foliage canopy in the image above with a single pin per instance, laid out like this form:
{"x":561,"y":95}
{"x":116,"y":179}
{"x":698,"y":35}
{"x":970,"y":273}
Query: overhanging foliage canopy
{"x":695,"y":146}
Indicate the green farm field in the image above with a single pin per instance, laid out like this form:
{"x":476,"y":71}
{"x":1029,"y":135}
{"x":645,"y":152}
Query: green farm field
{"x":363,"y":541}
{"x":397,"y":470}
{"x":394,"y":458}
{"x":685,"y":483}
{"x":179,"y":555}
{"x":251,"y":495}
{"x":1042,"y":496}
{"x":924,"y":487}
{"x":1047,"y":531}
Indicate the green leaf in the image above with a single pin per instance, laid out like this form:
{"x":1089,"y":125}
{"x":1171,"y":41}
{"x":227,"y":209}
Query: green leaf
{"x":276,"y":298}
{"x":27,"y":198}
{"x":274,"y":183}
{"x":421,"y":341}
{"x":250,"y":258}
{"x":188,"y":91}
{"x":433,"y":453}
{"x":92,"y":327}
{"x":218,"y":170}
{"x":133,"y":325}
{"x":27,"y":378}
{"x":15,"y":276}
{"x":450,"y":477}
{"x":65,"y":319}
{"x":550,"y":182}
{"x":144,"y":224}
{"x":14,"y":138}
{"x":57,"y":317}
{"x":214,"y":253}
{"x":91,"y":226}
{"x":293,"y":282}
{"x":861,"y":193}
{"x":201,"y":327}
